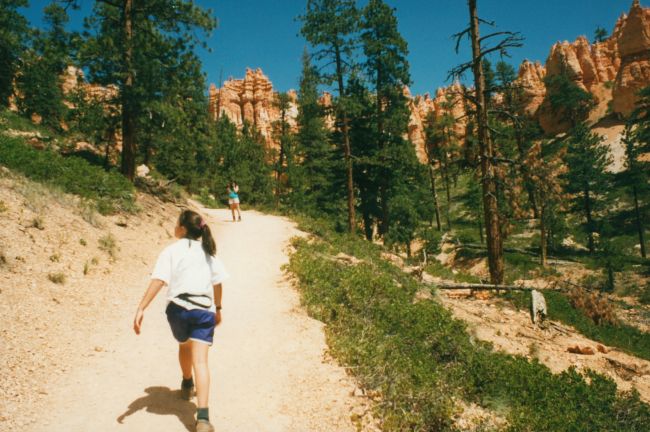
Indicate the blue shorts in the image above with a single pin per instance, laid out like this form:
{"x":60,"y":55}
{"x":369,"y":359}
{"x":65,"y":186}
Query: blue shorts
{"x":195,"y":324}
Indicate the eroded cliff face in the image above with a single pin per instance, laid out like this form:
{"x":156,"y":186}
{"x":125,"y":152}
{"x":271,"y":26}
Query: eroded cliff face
{"x":634,"y":50}
{"x":613,"y":71}
{"x":425,"y":109}
{"x":253,"y":100}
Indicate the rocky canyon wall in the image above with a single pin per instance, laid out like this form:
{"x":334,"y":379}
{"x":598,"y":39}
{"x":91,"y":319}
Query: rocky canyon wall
{"x":613,"y":70}
{"x":253,"y":100}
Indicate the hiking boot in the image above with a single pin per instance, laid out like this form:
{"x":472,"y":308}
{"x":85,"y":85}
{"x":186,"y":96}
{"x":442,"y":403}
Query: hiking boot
{"x":204,"y":426}
{"x":187,"y":392}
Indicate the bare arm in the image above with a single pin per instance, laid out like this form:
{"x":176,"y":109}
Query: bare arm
{"x":218,"y":290}
{"x":154,"y":287}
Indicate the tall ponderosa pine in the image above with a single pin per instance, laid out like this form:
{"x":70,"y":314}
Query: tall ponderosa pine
{"x":39,"y":80}
{"x":363,"y":135}
{"x":443,"y":146}
{"x":523,"y":130}
{"x":134,"y":44}
{"x":314,"y":151}
{"x":433,"y":165}
{"x":14,"y":32}
{"x":587,"y":158}
{"x":546,"y":170}
{"x":637,"y":170}
{"x":284,"y":137}
{"x":399,"y":176}
{"x":329,"y":26}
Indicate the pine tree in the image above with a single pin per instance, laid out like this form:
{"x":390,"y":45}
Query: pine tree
{"x":39,"y":79}
{"x":312,"y":192}
{"x":398,"y":174}
{"x":330,"y":26}
{"x":546,"y":169}
{"x":522,"y":130}
{"x":637,"y":170}
{"x":282,"y":133}
{"x":364,"y":140}
{"x":139,"y":47}
{"x":587,"y":158}
{"x":567,"y":99}
{"x":13,"y":37}
{"x":443,"y":146}
{"x":432,"y":162}
{"x":600,"y":34}
{"x":95,"y":120}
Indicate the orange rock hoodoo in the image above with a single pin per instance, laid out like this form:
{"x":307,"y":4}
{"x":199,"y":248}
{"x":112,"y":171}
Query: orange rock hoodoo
{"x":634,"y":51}
{"x":253,"y":100}
{"x":613,"y":71}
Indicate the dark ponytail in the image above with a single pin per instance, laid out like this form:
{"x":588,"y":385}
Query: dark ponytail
{"x":196,"y":227}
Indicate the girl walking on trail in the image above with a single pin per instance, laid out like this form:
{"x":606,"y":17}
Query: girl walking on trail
{"x":193,"y":275}
{"x":233,"y":199}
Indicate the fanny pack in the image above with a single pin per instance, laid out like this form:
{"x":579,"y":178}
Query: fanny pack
{"x":200,"y":300}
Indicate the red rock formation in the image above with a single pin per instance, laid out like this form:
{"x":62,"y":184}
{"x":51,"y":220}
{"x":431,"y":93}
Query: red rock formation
{"x":448,"y":100}
{"x":634,"y":49}
{"x":251,"y":99}
{"x":531,"y":79}
{"x":612,"y":70}
{"x":420,"y":106}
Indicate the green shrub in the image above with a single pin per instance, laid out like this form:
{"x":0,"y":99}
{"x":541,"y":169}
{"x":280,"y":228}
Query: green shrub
{"x":420,"y":360}
{"x":110,"y":190}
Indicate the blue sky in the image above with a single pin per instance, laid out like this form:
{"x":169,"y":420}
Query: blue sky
{"x":265,"y":34}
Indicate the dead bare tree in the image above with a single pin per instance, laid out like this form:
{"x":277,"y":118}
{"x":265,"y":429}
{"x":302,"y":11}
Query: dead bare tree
{"x":505,"y":40}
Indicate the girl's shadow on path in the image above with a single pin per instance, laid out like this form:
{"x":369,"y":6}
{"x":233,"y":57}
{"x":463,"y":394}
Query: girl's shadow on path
{"x":163,"y":401}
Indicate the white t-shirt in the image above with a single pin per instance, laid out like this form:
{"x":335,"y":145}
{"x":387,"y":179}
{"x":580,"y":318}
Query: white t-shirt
{"x":186,"y":268}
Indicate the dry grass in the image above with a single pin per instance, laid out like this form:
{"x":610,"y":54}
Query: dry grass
{"x":594,"y":305}
{"x":57,"y":278}
{"x":108,"y":244}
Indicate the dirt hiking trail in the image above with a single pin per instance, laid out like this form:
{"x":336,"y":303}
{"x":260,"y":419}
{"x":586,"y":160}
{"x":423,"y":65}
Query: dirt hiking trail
{"x":269,"y":366}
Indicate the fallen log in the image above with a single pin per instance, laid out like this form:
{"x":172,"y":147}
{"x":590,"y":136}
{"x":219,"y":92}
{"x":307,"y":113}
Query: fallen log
{"x":479,"y":286}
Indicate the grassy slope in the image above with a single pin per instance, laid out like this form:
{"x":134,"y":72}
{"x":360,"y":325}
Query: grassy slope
{"x":107,"y":191}
{"x":421,"y":360}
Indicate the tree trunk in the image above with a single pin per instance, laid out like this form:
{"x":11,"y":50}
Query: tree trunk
{"x":448,"y":192}
{"x":436,"y":206}
{"x":345,"y":130}
{"x":384,"y":177}
{"x":523,"y":169}
{"x":278,"y":187}
{"x":128,"y":109}
{"x":639,"y":222}
{"x":444,"y":170}
{"x":110,"y":135}
{"x":367,"y":222}
{"x":542,"y":235}
{"x":590,"y":222}
{"x":490,"y":206}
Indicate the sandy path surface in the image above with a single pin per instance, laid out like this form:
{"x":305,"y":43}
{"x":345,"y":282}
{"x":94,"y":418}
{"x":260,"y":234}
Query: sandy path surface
{"x":268,"y":364}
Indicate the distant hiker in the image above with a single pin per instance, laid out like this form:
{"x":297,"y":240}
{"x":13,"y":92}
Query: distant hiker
{"x":193,"y":275}
{"x":233,"y":199}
